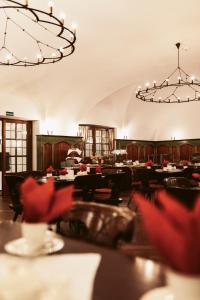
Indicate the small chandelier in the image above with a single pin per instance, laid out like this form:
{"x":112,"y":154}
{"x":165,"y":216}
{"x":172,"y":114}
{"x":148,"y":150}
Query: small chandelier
{"x":39,"y":36}
{"x":178,"y":87}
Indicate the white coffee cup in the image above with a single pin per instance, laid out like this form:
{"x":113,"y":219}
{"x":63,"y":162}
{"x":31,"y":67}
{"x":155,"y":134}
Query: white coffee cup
{"x":34,"y":235}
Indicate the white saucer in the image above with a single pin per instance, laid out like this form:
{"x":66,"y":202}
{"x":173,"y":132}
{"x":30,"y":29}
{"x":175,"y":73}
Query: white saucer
{"x":52,"y":244}
{"x":162,"y":293}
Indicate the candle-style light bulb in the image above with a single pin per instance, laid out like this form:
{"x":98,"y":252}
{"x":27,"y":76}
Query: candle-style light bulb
{"x":179,"y":79}
{"x":192,"y":79}
{"x":154,"y":83}
{"x":74,"y":27}
{"x":8,"y":58}
{"x":62,"y":18}
{"x":51,"y":5}
{"x":39,"y":57}
{"x":26,"y":2}
{"x":167,"y":81}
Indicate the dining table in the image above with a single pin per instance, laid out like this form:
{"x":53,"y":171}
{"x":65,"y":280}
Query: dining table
{"x":119,"y":276}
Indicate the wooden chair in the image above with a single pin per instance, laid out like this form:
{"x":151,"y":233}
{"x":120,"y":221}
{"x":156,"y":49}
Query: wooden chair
{"x":85,"y":185}
{"x":13,"y":182}
{"x":183,"y":189}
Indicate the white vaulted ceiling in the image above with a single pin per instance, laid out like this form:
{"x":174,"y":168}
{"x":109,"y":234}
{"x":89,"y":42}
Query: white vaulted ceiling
{"x":120,"y":44}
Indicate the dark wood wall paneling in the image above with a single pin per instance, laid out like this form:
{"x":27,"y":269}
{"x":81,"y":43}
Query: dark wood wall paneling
{"x":52,"y":149}
{"x":173,"y":150}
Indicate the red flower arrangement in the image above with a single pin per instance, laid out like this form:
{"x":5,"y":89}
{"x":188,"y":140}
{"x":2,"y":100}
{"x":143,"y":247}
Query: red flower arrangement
{"x":149,"y":163}
{"x":165,"y":163}
{"x":185,"y":162}
{"x":41,"y":203}
{"x":98,"y":169}
{"x":63,"y":172}
{"x":50,"y":169}
{"x":83,"y":168}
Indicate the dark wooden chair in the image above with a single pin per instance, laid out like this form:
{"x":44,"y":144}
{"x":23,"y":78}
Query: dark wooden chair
{"x":114,"y":185}
{"x":13,"y":182}
{"x":85,"y":186}
{"x":98,"y":223}
{"x":184,"y":190}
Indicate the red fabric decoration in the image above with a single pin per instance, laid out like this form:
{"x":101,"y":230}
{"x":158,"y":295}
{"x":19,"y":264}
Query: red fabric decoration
{"x":185,"y":162}
{"x":63,"y":172}
{"x":174,"y":231}
{"x":98,"y":169}
{"x":41,"y":203}
{"x":50,"y":169}
{"x":165,"y":163}
{"x":83,"y":168}
{"x":196,"y":175}
{"x":149,"y":163}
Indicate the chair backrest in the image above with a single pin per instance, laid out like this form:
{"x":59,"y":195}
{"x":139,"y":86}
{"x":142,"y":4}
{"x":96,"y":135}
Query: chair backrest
{"x":183,"y":190}
{"x":98,"y":223}
{"x":13,"y":182}
{"x":90,"y":181}
{"x":179,"y":182}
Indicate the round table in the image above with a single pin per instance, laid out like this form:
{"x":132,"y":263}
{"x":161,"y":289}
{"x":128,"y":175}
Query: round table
{"x":119,"y":277}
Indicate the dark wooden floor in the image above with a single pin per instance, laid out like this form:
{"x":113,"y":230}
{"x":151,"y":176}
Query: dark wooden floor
{"x":139,"y":246}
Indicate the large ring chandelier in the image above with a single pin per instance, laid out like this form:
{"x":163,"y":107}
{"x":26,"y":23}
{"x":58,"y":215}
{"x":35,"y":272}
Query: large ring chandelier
{"x":31,"y":37}
{"x":178,"y":87}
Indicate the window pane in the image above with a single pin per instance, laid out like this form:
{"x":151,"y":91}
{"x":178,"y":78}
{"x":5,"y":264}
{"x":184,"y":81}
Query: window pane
{"x":8,"y":143}
{"x":24,"y":160}
{"x":12,"y":126}
{"x":8,"y":149}
{"x":24,"y":151}
{"x":12,"y":168}
{"x":12,"y":134}
{"x":19,"y":144}
{"x":24,"y":168}
{"x":7,"y":126}
{"x":19,"y":127}
{"x":13,"y":143}
{"x":24,"y":133}
{"x":19,"y":160}
{"x":12,"y":151}
{"x":7,"y":134}
{"x":19,"y":168}
{"x":19,"y":135}
{"x":12,"y":160}
{"x":19,"y":151}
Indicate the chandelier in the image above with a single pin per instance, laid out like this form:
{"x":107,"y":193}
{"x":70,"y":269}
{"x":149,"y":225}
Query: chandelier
{"x":178,"y":87}
{"x":30,"y":36}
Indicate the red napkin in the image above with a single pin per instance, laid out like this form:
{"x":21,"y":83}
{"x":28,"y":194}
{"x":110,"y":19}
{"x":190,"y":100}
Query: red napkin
{"x":50,"y":169}
{"x":98,"y":169}
{"x":165,"y":163}
{"x":196,"y":175}
{"x":41,"y":203}
{"x":83,"y":167}
{"x":63,"y":172}
{"x":174,"y":231}
{"x":149,"y":163}
{"x":185,"y":162}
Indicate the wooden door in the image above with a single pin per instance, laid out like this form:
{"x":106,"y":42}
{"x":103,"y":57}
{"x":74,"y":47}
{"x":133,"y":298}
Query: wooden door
{"x":186,"y":151}
{"x":16,"y":147}
{"x":132,"y":151}
{"x":60,"y":153}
